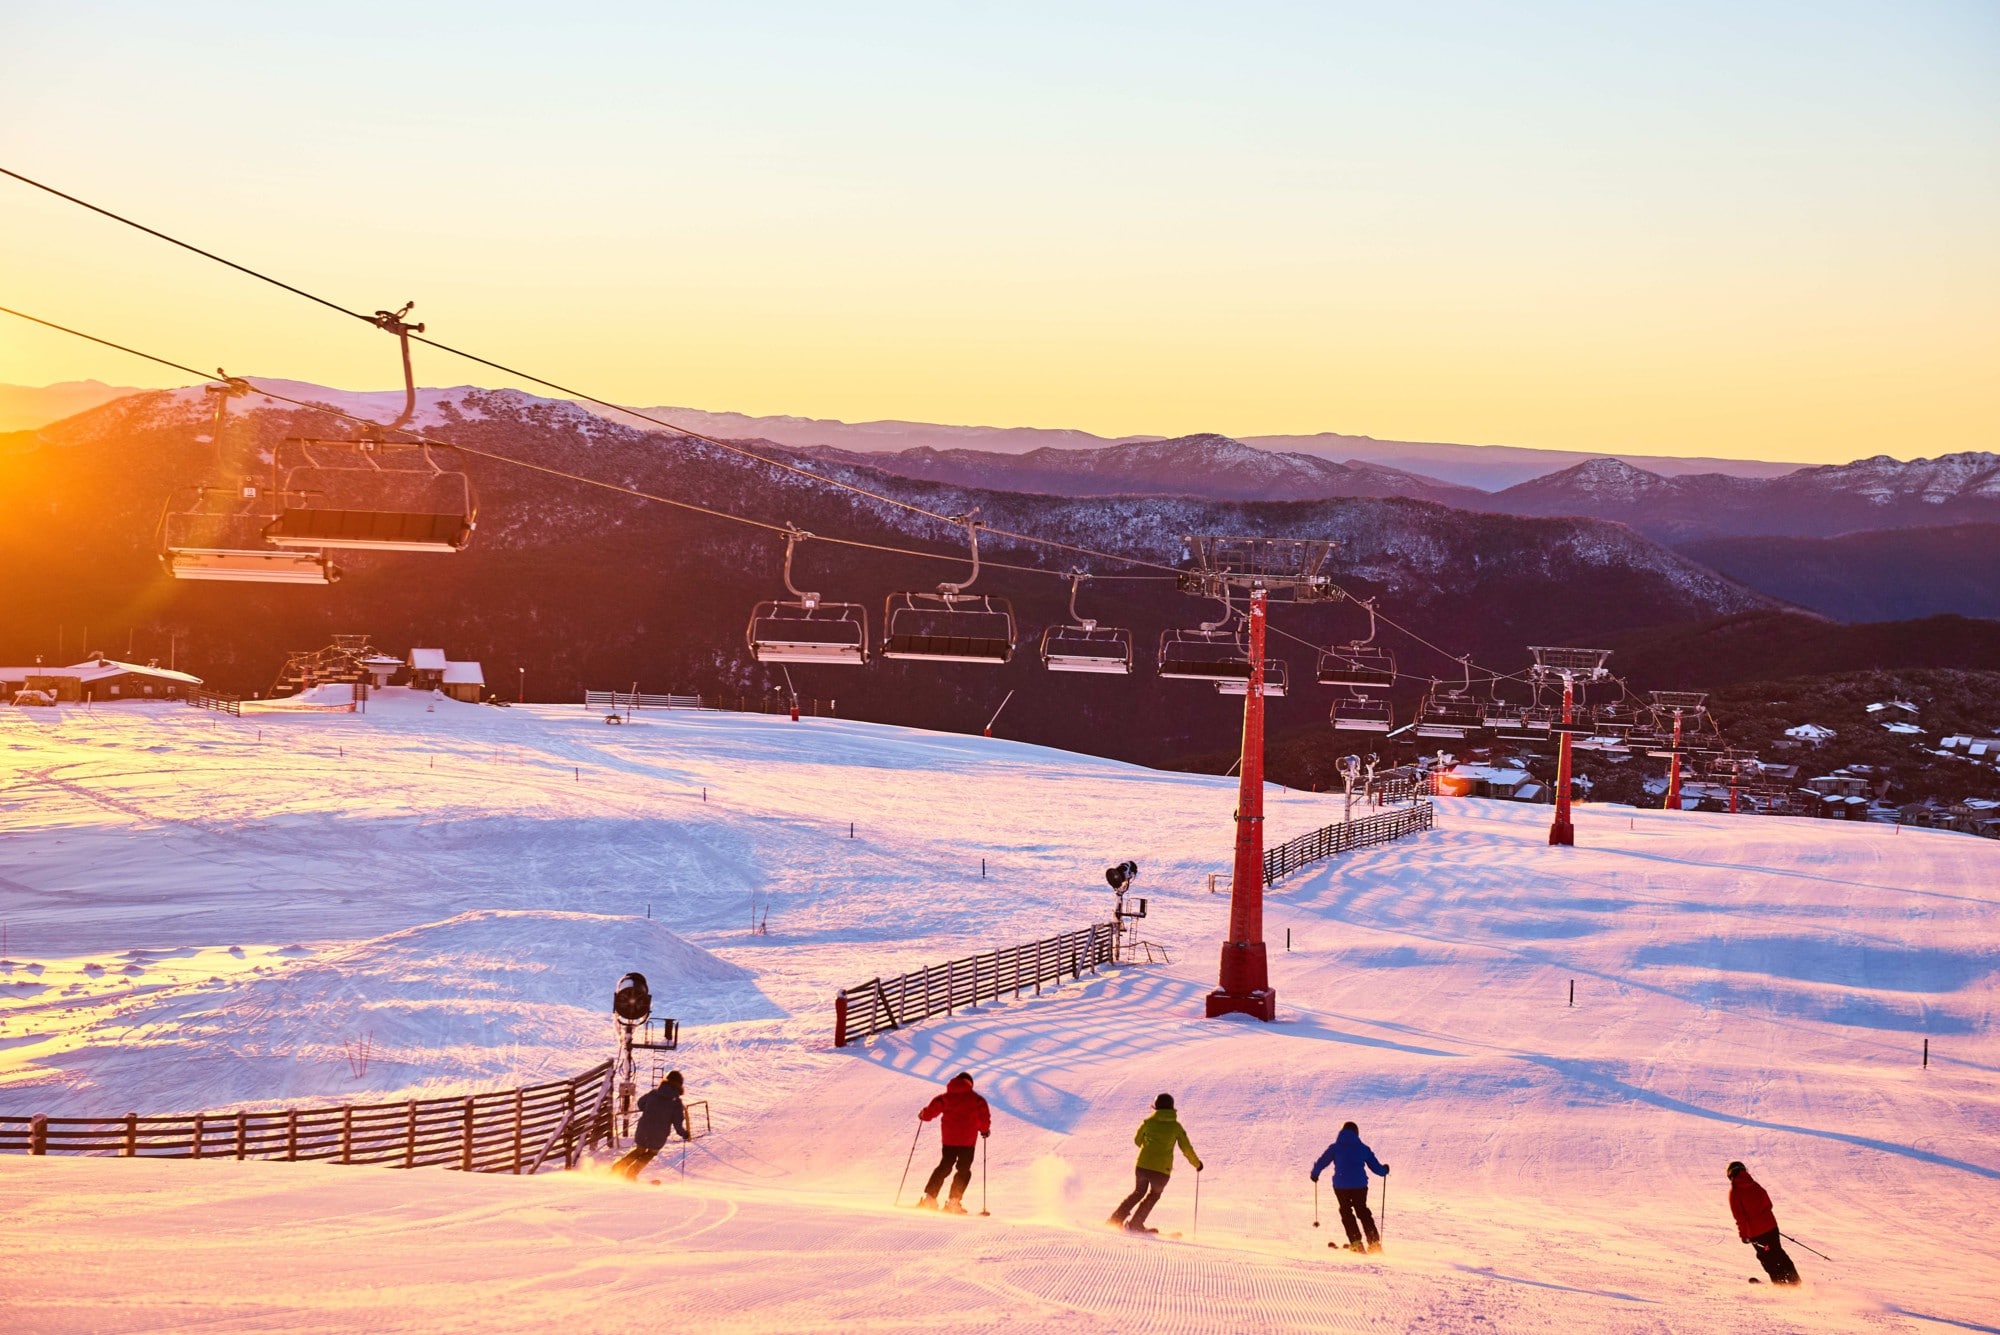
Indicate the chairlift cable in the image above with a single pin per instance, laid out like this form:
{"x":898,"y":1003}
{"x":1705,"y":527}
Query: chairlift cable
{"x":419,"y":439}
{"x":376,"y":319}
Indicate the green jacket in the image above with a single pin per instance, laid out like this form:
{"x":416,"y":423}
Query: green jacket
{"x":1156,"y":1138}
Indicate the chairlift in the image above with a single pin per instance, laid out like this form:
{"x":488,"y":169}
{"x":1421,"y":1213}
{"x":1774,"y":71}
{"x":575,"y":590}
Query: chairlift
{"x":1212,"y":652}
{"x":805,"y":629}
{"x":1454,"y":713}
{"x":1083,"y":645}
{"x":374,"y":494}
{"x":951,"y":625}
{"x":1277,"y":677}
{"x":1362,"y":713}
{"x":215,"y":529}
{"x":1360,"y":664}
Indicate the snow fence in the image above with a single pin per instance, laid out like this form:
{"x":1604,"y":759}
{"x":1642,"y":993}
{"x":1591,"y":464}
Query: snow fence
{"x":882,"y":1004}
{"x":1341,"y":836}
{"x":503,"y":1131}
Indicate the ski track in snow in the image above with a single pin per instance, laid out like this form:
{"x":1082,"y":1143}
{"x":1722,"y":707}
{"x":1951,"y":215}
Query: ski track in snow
{"x":198,"y":918}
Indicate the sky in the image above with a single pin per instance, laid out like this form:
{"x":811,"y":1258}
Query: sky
{"x":1753,"y":230}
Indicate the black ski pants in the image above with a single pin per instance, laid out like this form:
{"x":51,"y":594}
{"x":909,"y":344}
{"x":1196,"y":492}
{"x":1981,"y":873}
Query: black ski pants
{"x":638,"y":1157}
{"x":1772,"y":1256}
{"x":1146,"y":1188}
{"x":1353,"y":1207}
{"x":955,"y":1157}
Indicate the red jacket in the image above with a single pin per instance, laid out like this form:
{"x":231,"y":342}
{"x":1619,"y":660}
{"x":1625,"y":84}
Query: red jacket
{"x":966,"y":1116}
{"x":1751,"y":1205}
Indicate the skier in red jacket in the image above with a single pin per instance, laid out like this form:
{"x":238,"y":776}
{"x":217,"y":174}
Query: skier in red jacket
{"x":966,"y":1119}
{"x":1757,"y":1225}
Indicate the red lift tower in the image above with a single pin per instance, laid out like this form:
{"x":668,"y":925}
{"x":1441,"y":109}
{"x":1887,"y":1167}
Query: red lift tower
{"x":1683,"y":706}
{"x":1262,"y":567}
{"x":1571,"y":665}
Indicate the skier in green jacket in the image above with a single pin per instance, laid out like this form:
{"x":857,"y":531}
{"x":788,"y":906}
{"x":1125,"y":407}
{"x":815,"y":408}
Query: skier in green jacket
{"x":1156,"y":1138}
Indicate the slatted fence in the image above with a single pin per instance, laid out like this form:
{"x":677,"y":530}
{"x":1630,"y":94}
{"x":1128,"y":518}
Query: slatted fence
{"x":882,"y":1004}
{"x":1307,"y":849}
{"x":220,"y":701}
{"x":504,"y":1131}
{"x":638,"y":700}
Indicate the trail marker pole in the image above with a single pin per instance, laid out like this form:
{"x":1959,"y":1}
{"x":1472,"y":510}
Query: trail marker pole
{"x":1572,"y":991}
{"x":1927,"y":1054}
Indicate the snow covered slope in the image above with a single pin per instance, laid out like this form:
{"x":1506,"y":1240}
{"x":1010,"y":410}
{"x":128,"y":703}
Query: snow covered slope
{"x":201,"y":910}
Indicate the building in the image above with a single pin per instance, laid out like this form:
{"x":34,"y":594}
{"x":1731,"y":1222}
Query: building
{"x":463,"y":681}
{"x":426,"y":669}
{"x":98,"y":680}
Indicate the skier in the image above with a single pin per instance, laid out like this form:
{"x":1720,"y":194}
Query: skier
{"x":660,"y":1113}
{"x":1757,"y":1225}
{"x":966,"y":1119}
{"x":1351,"y":1160}
{"x":1156,"y":1138}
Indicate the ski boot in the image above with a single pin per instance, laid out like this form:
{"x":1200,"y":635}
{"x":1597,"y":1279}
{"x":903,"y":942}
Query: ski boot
{"x":952,"y":1207}
{"x":1375,"y":1246}
{"x":1355,"y":1247}
{"x":928,"y":1203}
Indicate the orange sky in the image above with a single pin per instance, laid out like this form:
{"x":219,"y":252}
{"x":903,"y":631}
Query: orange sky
{"x":1750,"y":231}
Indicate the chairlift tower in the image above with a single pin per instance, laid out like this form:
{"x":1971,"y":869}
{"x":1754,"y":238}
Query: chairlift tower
{"x":1681,"y":704}
{"x":1571,"y":665}
{"x":1260,"y":567}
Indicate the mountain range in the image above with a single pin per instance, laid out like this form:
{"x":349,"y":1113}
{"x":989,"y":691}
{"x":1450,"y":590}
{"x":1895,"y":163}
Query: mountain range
{"x":586,"y":586}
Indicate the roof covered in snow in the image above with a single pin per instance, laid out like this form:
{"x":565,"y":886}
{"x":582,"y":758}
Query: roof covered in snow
{"x":1811,"y":732}
{"x":97,"y":669}
{"x":463,"y":674}
{"x":427,"y":660}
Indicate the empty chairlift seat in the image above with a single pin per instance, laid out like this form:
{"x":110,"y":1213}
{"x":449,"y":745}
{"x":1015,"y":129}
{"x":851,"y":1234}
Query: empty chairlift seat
{"x":378,"y":530}
{"x":1203,"y":655}
{"x":1360,"y":667}
{"x":948,"y":628}
{"x":1361,"y":713}
{"x":1449,"y":715}
{"x":1277,"y":676}
{"x":798,"y":632}
{"x":1087,"y":649}
{"x":251,"y":566}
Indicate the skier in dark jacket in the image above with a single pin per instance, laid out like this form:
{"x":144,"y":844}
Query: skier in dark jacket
{"x":1757,"y":1224}
{"x":1157,"y":1138}
{"x":661,"y":1112}
{"x":966,"y":1119}
{"x":1351,"y":1161}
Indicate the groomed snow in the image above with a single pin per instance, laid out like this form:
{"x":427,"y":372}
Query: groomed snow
{"x":201,"y":912}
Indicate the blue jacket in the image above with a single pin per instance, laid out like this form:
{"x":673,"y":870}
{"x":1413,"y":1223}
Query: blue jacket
{"x":1350,"y":1159}
{"x":661,"y":1112}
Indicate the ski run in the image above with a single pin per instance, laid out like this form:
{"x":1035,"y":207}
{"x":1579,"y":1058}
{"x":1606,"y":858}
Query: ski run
{"x":210,"y":913}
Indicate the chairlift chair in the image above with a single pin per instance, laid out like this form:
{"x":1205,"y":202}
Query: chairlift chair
{"x":1277,"y":677}
{"x":1362,"y":713}
{"x":212,"y":531}
{"x":1359,"y":665}
{"x":1084,"y":646}
{"x":804,"y":628}
{"x":951,"y":625}
{"x":1212,"y":652}
{"x":370,"y":493}
{"x":1449,"y":714}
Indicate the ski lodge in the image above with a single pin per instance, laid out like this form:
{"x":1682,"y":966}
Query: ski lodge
{"x":96,"y":680}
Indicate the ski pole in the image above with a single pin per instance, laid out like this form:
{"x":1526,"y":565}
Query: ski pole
{"x":1195,"y":1232}
{"x":1383,"y":1231}
{"x":907,"y":1162}
{"x":1315,"y":1202}
{"x":982,"y":1176}
{"x":1815,"y":1251}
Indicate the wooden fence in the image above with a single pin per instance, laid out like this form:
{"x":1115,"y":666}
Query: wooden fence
{"x":881,"y":1004}
{"x":505,"y":1131}
{"x":220,"y":701}
{"x":1307,"y":849}
{"x":638,"y":700}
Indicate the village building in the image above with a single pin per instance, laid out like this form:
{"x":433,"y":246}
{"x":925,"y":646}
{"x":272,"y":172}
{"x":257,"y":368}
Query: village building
{"x":97,"y":680}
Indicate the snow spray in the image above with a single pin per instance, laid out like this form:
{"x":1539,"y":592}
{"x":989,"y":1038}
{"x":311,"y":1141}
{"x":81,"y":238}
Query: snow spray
{"x":1056,"y":1187}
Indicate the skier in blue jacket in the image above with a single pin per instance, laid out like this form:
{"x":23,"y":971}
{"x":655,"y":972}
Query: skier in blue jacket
{"x":1351,"y":1161}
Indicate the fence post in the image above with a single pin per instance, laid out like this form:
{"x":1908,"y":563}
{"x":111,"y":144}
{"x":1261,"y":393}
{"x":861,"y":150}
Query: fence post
{"x":840,"y":1019}
{"x":38,"y":1134}
{"x":465,"y":1150}
{"x":200,"y":1131}
{"x":347,"y":1134}
{"x":242,"y":1135}
{"x":410,"y":1135}
{"x":292,"y":1135}
{"x":131,"y":1134}
{"x":517,"y":1132}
